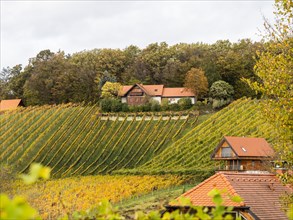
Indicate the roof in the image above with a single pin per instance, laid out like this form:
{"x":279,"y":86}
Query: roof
{"x":260,"y":192}
{"x":9,"y":104}
{"x":199,"y":194}
{"x":159,"y":90}
{"x":153,"y":90}
{"x":248,"y":147}
{"x":177,"y":92}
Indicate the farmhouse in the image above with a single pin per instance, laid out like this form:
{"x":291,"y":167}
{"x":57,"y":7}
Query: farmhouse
{"x":244,"y":176}
{"x":138,"y":94}
{"x":10,"y":104}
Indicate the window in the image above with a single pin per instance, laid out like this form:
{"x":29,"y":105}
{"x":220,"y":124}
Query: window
{"x":226,"y":152}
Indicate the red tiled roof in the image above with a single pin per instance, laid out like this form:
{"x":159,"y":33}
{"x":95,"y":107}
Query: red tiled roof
{"x":124,"y":90}
{"x":9,"y":104}
{"x":199,"y":194}
{"x":250,"y":147}
{"x":153,"y":90}
{"x":159,"y":90}
{"x":177,"y":92}
{"x":260,"y":192}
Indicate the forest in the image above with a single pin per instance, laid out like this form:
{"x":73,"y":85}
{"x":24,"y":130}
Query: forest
{"x":57,"y":77}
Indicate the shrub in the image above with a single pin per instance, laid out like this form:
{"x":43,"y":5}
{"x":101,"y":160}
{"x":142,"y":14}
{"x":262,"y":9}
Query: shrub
{"x":105,"y":105}
{"x":219,"y":103}
{"x":185,"y":103}
{"x":155,"y":106}
{"x":221,"y":90}
{"x":124,"y":107}
{"x":116,"y":105}
{"x":111,"y":105}
{"x":174,"y":107}
{"x":147,"y":107}
{"x":165,"y":104}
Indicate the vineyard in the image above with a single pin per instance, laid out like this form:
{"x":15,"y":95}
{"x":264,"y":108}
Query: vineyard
{"x":55,"y":198}
{"x":191,"y":154}
{"x":75,"y":140}
{"x":78,"y":141}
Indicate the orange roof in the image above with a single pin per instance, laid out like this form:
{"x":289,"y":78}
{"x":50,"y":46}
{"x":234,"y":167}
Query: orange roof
{"x":159,"y":90}
{"x":9,"y":104}
{"x":199,"y":194}
{"x":153,"y":90}
{"x":177,"y":92}
{"x":250,"y":147}
{"x":124,"y":90}
{"x":260,"y":192}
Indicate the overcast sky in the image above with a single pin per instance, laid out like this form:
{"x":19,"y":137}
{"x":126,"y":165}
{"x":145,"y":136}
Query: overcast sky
{"x":27,"y":27}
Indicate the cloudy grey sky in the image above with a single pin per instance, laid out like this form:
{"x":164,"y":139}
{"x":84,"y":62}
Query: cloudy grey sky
{"x":27,"y":27}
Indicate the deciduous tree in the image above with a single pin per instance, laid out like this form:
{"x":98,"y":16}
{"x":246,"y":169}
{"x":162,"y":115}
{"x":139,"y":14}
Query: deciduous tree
{"x":275,"y":69}
{"x":196,"y":82}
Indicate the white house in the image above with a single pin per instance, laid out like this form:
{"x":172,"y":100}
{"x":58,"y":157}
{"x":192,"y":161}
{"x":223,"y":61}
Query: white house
{"x":138,"y":94}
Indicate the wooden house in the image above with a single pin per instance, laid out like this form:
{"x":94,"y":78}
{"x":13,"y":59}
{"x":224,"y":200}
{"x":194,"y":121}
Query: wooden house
{"x":242,"y":153}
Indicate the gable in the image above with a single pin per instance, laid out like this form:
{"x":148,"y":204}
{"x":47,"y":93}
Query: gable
{"x":225,"y":151}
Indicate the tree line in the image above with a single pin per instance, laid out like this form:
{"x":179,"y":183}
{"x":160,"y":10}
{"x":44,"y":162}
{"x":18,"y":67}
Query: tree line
{"x":57,"y":77}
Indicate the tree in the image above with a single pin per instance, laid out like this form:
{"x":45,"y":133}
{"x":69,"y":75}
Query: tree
{"x":275,"y":69}
{"x":111,"y":90}
{"x":196,"y":81}
{"x":5,"y":76}
{"x":221,"y":90}
{"x":45,"y":69}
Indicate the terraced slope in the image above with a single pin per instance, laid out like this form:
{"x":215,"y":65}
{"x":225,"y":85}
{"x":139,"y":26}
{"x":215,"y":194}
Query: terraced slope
{"x":191,"y":153}
{"x":74,"y":140}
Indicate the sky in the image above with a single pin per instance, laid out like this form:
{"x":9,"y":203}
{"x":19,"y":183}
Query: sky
{"x":28,"y":27}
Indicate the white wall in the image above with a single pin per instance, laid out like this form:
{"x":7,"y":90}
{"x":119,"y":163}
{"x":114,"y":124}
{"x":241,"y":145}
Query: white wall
{"x":124,"y":100}
{"x":175,"y":100}
{"x":159,"y":99}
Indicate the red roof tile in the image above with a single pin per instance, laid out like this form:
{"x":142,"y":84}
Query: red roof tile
{"x":153,"y":90}
{"x":124,"y":90}
{"x":177,"y":92}
{"x":9,"y":104}
{"x":159,"y":90}
{"x":250,"y":147}
{"x":260,"y":192}
{"x":199,"y":194}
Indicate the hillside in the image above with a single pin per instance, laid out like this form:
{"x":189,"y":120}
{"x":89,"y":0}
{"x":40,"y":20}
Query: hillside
{"x":76,"y":140}
{"x":191,"y":153}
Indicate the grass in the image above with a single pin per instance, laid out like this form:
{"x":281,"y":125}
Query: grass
{"x":154,"y":200}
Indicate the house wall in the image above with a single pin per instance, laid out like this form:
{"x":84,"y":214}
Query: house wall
{"x":172,"y":100}
{"x":124,"y":100}
{"x":159,"y":99}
